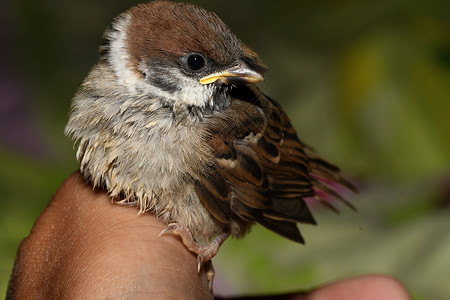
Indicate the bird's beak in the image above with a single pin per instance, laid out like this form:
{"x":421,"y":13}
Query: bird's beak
{"x":240,"y":72}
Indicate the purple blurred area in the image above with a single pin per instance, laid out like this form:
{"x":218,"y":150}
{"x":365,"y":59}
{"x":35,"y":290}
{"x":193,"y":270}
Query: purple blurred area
{"x":18,"y":130}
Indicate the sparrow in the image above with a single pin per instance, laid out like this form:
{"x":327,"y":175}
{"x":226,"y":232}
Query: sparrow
{"x":170,"y":120}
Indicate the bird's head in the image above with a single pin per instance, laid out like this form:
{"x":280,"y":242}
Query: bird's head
{"x":178,"y":53}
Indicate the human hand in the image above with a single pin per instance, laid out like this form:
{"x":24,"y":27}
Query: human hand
{"x":84,"y":246}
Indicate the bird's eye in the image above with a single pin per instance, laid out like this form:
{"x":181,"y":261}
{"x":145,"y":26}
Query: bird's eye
{"x":196,"y":62}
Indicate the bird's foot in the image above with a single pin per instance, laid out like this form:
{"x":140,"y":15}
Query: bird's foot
{"x":204,"y":252}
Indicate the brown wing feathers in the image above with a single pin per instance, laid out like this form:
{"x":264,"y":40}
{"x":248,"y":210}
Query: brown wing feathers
{"x":214,"y":193}
{"x":261,"y":171}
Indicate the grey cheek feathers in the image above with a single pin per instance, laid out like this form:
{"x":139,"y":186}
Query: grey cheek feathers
{"x":169,"y":83}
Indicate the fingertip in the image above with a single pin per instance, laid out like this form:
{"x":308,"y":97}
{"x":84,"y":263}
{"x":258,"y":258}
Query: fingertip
{"x":367,"y":287}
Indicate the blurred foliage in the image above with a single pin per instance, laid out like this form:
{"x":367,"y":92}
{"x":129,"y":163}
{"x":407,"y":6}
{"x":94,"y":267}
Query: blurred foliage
{"x":367,"y":83}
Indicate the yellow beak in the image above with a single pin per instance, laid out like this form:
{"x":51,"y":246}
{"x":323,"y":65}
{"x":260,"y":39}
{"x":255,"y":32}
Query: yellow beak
{"x":240,"y":72}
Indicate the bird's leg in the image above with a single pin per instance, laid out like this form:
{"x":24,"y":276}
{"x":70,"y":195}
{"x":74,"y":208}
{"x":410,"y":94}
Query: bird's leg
{"x":204,"y":253}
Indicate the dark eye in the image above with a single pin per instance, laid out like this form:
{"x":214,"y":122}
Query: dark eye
{"x":196,"y":62}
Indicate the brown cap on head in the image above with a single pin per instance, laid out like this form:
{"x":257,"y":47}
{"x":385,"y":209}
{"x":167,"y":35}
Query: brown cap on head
{"x":164,"y":29}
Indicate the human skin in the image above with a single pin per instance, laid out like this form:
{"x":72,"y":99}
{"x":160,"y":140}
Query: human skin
{"x":83,"y":246}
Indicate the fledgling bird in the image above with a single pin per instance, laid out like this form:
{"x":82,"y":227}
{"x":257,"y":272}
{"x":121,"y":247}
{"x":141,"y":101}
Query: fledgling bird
{"x":170,"y":120}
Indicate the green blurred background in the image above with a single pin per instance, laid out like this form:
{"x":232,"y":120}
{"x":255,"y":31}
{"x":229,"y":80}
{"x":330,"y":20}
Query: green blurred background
{"x":366,"y":83}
